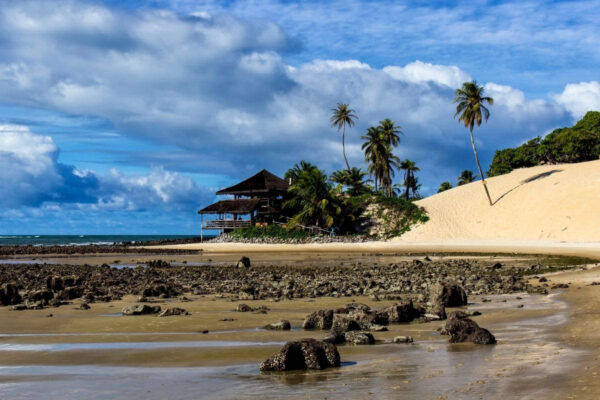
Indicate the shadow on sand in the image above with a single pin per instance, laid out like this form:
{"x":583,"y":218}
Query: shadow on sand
{"x":528,"y":180}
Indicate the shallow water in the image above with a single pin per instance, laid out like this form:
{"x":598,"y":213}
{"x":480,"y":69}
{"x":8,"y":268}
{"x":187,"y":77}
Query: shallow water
{"x":528,"y":362}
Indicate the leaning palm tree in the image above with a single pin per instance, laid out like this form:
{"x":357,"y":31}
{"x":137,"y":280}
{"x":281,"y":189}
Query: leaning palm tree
{"x":343,"y":116}
{"x":466,"y":177}
{"x":409,"y":167}
{"x":374,"y":148}
{"x":471,"y":110}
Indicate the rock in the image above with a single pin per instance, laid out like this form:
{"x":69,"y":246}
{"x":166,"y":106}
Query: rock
{"x":84,"y":306}
{"x":140,"y":309}
{"x":378,"y":328}
{"x":543,"y":279}
{"x":366,"y":318}
{"x":283,"y":325}
{"x":302,"y":355}
{"x":55,"y":283}
{"x":403,"y":339}
{"x":359,"y":337}
{"x":40,"y":295}
{"x":401,"y":312}
{"x":34,"y":305}
{"x":244,"y":262}
{"x":70,"y":293}
{"x":462,"y":329}
{"x":322,"y":319}
{"x":19,"y":307}
{"x":243,"y":308}
{"x":448,"y":294}
{"x":9,"y":294}
{"x":172,"y":311}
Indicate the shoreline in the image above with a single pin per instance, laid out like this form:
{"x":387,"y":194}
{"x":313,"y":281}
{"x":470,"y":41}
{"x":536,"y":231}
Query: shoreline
{"x":580,"y":249}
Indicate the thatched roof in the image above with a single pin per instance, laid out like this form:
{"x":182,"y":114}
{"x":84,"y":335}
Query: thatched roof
{"x":240,"y":206}
{"x":263,"y":182}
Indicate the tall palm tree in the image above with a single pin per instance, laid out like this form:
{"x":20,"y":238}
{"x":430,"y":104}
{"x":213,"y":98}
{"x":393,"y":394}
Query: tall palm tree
{"x":409,"y":167}
{"x":466,"y":177}
{"x":471,"y":110}
{"x":390,"y":132}
{"x":343,"y":116}
{"x":311,"y":195}
{"x":444,"y":186}
{"x":380,"y":158}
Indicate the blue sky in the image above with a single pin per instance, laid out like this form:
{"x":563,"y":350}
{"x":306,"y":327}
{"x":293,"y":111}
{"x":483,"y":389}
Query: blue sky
{"x":125,"y":117}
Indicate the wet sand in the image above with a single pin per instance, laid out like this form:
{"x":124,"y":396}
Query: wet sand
{"x":547,"y":349}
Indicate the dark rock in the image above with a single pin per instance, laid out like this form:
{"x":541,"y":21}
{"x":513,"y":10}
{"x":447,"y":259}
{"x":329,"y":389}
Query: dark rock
{"x":243,"y":308}
{"x":84,"y":306}
{"x":543,"y":279}
{"x":302,"y":355}
{"x":172,"y":311}
{"x":55,"y":283}
{"x":244,"y":262}
{"x":40,"y":295}
{"x":402,"y":312}
{"x":140,"y":309}
{"x":9,"y":294}
{"x":462,"y":329}
{"x":283,"y":325}
{"x":359,"y":337}
{"x":448,"y":294}
{"x":322,"y":319}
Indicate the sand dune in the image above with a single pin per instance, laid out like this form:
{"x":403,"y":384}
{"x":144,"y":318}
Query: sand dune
{"x":544,"y":203}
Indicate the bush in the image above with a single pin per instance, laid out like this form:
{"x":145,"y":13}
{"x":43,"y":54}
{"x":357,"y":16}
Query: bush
{"x":271,"y":231}
{"x":399,"y":215}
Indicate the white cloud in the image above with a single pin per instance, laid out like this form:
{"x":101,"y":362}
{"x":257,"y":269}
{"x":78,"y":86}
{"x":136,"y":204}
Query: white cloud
{"x":580,"y":98}
{"x":418,"y":72}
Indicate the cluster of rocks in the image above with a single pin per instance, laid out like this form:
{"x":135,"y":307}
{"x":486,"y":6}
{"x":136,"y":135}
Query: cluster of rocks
{"x":40,"y":285}
{"x":227,"y":238}
{"x":303,"y":354}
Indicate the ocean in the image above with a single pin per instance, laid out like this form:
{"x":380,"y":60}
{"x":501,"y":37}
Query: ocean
{"x":52,"y":240}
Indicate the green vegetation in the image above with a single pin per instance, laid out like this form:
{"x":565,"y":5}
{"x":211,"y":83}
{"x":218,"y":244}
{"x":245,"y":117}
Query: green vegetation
{"x":444,"y":186}
{"x":578,"y":143}
{"x":271,"y":231}
{"x":471,"y":110}
{"x":398,"y":215}
{"x":466,"y":177}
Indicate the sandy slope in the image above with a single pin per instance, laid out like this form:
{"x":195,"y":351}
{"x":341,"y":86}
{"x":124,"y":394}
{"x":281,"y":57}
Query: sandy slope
{"x":545,"y":203}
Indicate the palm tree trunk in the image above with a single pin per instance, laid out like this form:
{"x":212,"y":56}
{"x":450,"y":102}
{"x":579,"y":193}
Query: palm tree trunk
{"x":344,"y":147}
{"x":406,"y":184}
{"x":479,"y":167}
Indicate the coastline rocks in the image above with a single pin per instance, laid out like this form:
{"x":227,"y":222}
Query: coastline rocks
{"x":359,"y":338}
{"x":246,"y":308}
{"x":43,"y":296}
{"x":402,"y":312}
{"x":448,"y":295}
{"x":172,"y":311}
{"x":322,"y":319}
{"x":9,"y":294}
{"x":244,"y":262}
{"x":84,"y":306}
{"x":140,"y":309}
{"x":302,"y":355}
{"x":283,"y":325}
{"x":403,"y":339}
{"x":462,"y":329}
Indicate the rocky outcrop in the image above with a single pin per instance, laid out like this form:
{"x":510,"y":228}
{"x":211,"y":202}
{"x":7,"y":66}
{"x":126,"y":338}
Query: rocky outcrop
{"x":402,"y":312}
{"x":462,"y":329}
{"x":283,"y":325}
{"x":9,"y":294}
{"x":359,"y":337}
{"x":140,"y":309}
{"x":244,"y":262}
{"x":322,"y":319}
{"x":172,"y":311}
{"x":448,"y":295}
{"x":302,"y":355}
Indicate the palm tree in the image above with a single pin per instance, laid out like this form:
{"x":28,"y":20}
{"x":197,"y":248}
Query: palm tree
{"x":444,"y":186}
{"x":466,"y":177}
{"x":409,"y":167}
{"x":352,"y":180}
{"x":292,"y":174}
{"x":379,"y":156}
{"x":390,"y":132}
{"x":343,"y":116}
{"x":311,"y":195}
{"x":470,"y":109}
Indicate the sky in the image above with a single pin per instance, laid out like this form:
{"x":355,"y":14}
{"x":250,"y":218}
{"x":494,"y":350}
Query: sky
{"x":125,"y":117}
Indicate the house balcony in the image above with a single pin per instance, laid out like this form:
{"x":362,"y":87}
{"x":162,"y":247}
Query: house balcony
{"x":226,"y":224}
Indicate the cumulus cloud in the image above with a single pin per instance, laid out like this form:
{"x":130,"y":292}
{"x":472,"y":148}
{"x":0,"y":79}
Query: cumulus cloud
{"x":30,"y":175}
{"x":580,"y":98}
{"x":219,"y":90}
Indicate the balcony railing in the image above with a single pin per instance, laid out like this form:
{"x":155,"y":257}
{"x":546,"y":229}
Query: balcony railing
{"x":225,"y":224}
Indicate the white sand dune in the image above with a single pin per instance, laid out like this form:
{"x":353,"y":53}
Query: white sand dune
{"x":550,"y":203}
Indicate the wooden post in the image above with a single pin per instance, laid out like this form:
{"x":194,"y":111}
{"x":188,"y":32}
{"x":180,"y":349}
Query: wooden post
{"x":201,"y":227}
